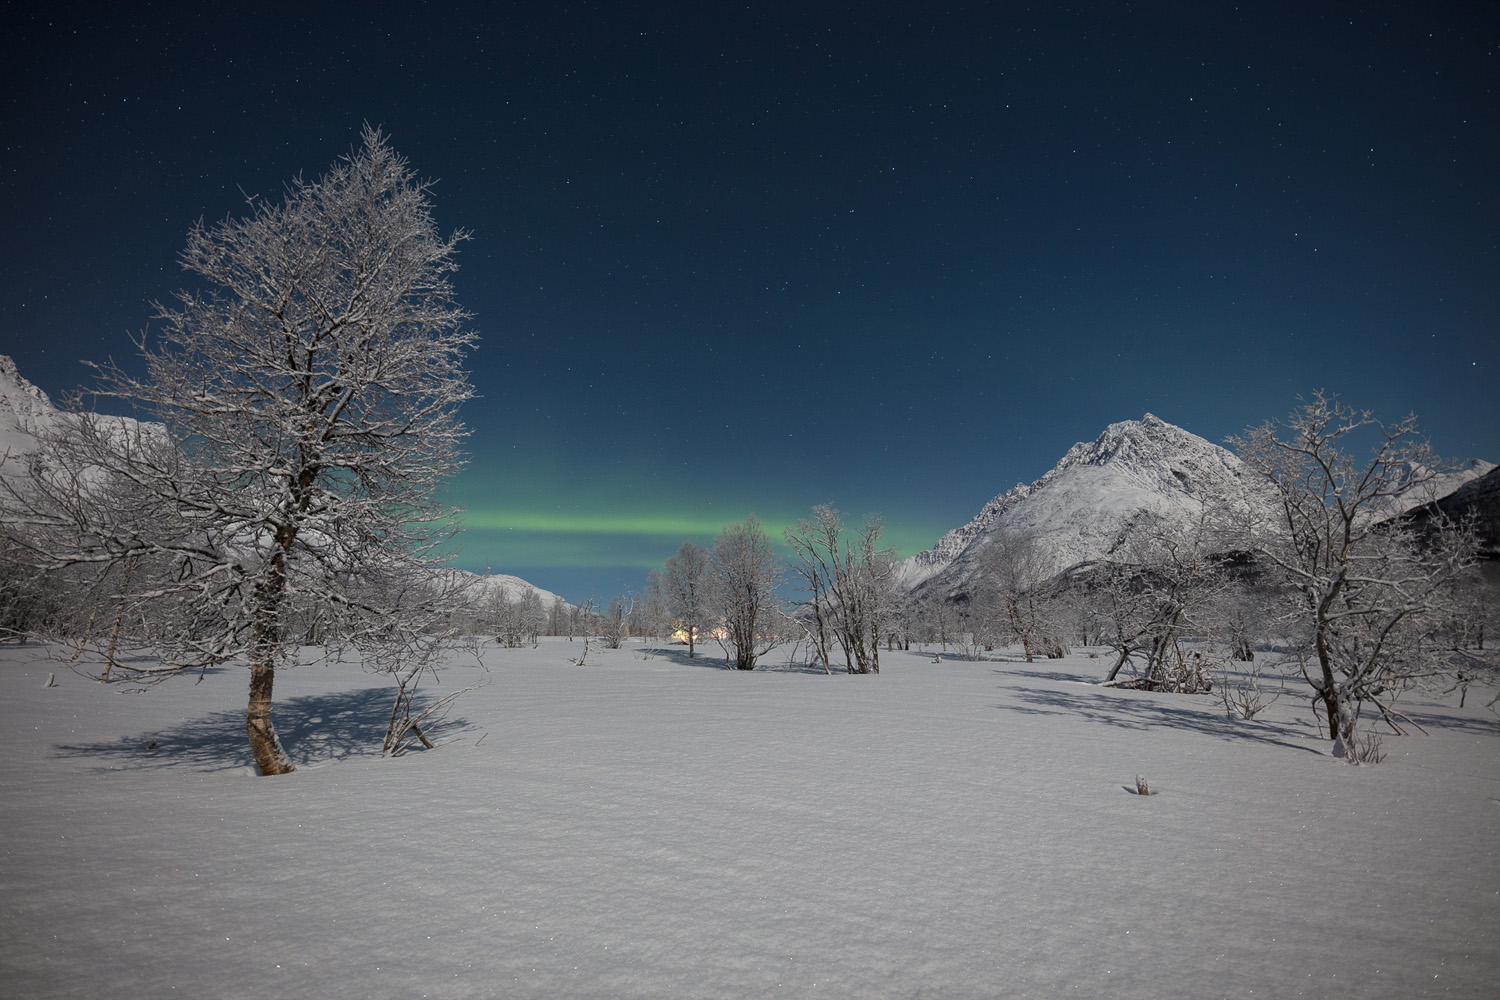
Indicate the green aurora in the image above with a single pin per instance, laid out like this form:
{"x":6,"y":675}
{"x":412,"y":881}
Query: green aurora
{"x":502,"y":539}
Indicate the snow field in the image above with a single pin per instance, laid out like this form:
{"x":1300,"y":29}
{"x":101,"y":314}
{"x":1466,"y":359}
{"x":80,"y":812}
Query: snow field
{"x":652,"y":827}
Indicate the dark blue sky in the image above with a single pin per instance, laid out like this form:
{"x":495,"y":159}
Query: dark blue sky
{"x":753,"y":259}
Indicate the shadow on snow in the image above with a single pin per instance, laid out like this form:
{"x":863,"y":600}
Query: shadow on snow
{"x":712,"y":658}
{"x":1132,"y":710}
{"x":314,"y":729}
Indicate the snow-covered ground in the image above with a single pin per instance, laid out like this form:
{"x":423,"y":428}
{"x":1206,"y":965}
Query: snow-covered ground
{"x":651,"y":827}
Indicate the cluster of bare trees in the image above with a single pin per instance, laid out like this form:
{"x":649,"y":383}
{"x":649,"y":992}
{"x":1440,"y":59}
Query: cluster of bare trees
{"x":728,"y":593}
{"x":1370,"y":598}
{"x":731,"y":593}
{"x":517,"y":621}
{"x":847,"y":577}
{"x":1012,"y":602}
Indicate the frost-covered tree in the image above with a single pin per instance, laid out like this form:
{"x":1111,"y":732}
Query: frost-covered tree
{"x":306,"y":401}
{"x":745,"y":576}
{"x":533,"y":615}
{"x":649,"y":617}
{"x":613,"y":626}
{"x":688,"y":590}
{"x":847,"y":576}
{"x":1178,"y":583}
{"x":1012,"y":597}
{"x":1367,"y":587}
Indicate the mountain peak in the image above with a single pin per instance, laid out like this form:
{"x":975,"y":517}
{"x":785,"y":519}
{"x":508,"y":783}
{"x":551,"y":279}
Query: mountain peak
{"x":19,"y":397}
{"x":1083,"y":508}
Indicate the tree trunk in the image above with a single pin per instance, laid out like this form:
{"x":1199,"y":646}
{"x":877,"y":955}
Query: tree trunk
{"x":114,"y":631}
{"x":270,"y":758}
{"x":1329,"y":693}
{"x":1115,"y":670}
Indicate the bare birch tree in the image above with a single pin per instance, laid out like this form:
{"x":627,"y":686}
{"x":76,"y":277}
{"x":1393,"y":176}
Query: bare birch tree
{"x":307,"y":399}
{"x":1367,"y":589}
{"x":745,"y":578}
{"x":614,"y":625}
{"x":687,"y":589}
{"x":649,"y":615}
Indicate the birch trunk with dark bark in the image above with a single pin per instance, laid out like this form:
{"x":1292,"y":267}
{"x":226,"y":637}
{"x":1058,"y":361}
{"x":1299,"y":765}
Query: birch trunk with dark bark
{"x":270,"y":758}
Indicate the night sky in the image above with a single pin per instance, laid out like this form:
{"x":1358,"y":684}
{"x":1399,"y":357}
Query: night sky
{"x":751,"y":258}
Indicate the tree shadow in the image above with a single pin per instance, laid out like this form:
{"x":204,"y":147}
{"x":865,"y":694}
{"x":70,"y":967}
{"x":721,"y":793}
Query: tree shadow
{"x":1432,"y":720}
{"x":1130,"y":711}
{"x":315,"y":729}
{"x":788,"y":667}
{"x":712,"y":658}
{"x":1051,"y":675}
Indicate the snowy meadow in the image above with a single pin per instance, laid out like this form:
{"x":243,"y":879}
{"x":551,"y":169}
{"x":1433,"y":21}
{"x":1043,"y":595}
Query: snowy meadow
{"x":646,"y":825}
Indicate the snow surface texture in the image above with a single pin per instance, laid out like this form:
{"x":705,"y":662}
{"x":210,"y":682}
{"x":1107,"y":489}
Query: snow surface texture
{"x":1082,"y":510}
{"x":658,"y":827}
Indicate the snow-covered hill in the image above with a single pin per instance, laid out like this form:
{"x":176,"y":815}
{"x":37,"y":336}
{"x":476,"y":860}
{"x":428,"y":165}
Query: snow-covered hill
{"x":490,"y":584}
{"x":1082,"y":509}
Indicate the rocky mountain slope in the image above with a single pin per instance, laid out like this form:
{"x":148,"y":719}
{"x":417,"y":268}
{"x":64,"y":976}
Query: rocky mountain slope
{"x":1477,"y":498}
{"x":23,"y":408}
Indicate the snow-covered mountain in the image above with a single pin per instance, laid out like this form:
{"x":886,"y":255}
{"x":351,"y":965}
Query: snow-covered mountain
{"x":1478,"y":497}
{"x":1082,"y":509}
{"x":1432,"y":487}
{"x":26,"y":411}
